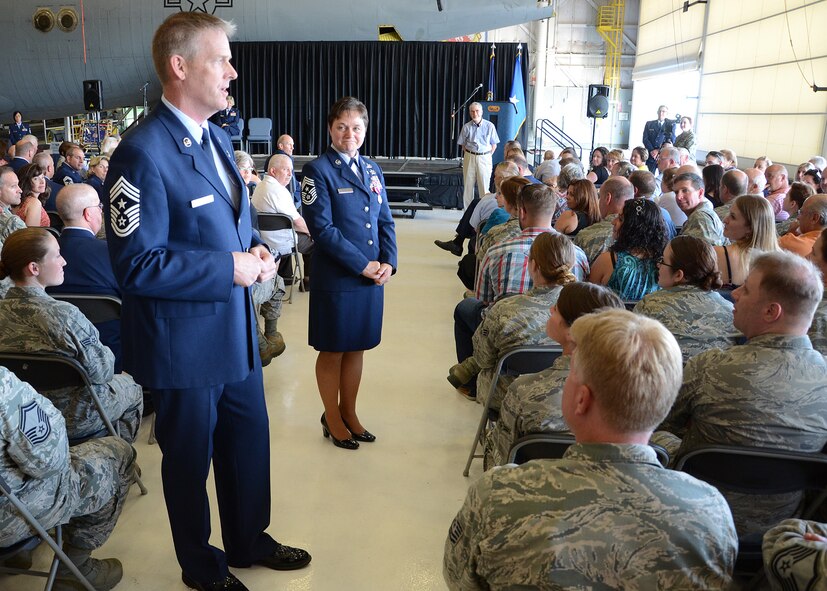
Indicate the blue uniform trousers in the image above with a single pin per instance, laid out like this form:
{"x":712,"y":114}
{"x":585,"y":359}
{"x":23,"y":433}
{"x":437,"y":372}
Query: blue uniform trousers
{"x":227,"y":424}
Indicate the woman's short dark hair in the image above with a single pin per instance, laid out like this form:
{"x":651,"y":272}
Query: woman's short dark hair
{"x":815,"y":174}
{"x":698,"y":261}
{"x":642,"y":229}
{"x":580,"y":298}
{"x":345,"y":104}
{"x":16,"y":113}
{"x":603,"y":152}
{"x":799,"y":192}
{"x":584,"y":196}
{"x":713,"y":175}
{"x":27,"y":245}
{"x":26,"y":174}
{"x":641,"y":152}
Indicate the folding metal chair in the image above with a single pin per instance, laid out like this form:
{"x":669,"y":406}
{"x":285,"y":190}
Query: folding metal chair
{"x":260,"y":130}
{"x":758,"y":471}
{"x":56,"y":544}
{"x":539,"y":446}
{"x":48,"y":371}
{"x":96,"y":307}
{"x":270,"y":222}
{"x":517,"y":361}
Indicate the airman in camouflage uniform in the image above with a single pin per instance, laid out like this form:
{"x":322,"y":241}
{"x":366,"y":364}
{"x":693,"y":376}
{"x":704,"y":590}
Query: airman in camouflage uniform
{"x":700,"y":320}
{"x":532,"y":404}
{"x":793,"y":562}
{"x":782,"y":228}
{"x":704,"y":224}
{"x":268,"y":296}
{"x":597,"y":238}
{"x":604,"y":516}
{"x":770,"y":392}
{"x":497,"y":234}
{"x":32,"y":322}
{"x":723,"y":210}
{"x":818,"y":329}
{"x":82,"y":487}
{"x":515,"y":321}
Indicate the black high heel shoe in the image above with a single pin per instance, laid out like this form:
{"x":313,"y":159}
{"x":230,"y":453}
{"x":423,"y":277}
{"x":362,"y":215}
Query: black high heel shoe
{"x":343,"y":443}
{"x":365,"y":436}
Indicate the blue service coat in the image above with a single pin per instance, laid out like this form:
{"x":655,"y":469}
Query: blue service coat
{"x":171,"y":230}
{"x":51,"y":202}
{"x":227,"y":119}
{"x":349,"y":220}
{"x":16,"y":132}
{"x":67,"y":175}
{"x":654,"y":135}
{"x":96,"y":184}
{"x":17,"y":163}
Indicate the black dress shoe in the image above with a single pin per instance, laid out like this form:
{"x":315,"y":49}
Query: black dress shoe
{"x":452,"y":247}
{"x":285,"y":558}
{"x":230,"y":583}
{"x":343,"y":443}
{"x":365,"y":436}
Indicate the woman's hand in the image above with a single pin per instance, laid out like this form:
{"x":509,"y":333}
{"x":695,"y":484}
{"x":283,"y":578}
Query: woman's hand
{"x":385,"y":271}
{"x":372,"y":270}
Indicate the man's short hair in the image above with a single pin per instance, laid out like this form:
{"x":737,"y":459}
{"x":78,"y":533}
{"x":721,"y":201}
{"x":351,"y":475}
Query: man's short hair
{"x":474,"y":104}
{"x":24,"y":146}
{"x":282,"y":138}
{"x":243,"y":159}
{"x":280,"y":161}
{"x":625,"y":169}
{"x":519,"y":161}
{"x":537,"y":199}
{"x":43,"y":159}
{"x":671,"y":152}
{"x":178,"y":35}
{"x":696,"y":180}
{"x":507,"y":166}
{"x":548,"y":155}
{"x":620,"y":188}
{"x":345,"y":104}
{"x":817,"y":204}
{"x":644,"y":182}
{"x":4,"y":170}
{"x":731,"y":156}
{"x":73,"y":199}
{"x":736,"y":182}
{"x":791,"y":280}
{"x":568,"y":174}
{"x":819,"y":162}
{"x":632,"y":365}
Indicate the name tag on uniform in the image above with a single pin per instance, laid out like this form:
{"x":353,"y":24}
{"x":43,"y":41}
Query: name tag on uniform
{"x":345,"y":190}
{"x":201,"y":201}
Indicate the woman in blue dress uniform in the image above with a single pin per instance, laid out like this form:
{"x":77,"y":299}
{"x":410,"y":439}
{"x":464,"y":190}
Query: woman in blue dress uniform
{"x":98,"y":168}
{"x":18,"y":129}
{"x":346,"y":209}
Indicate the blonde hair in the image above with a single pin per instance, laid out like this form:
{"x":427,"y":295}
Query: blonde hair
{"x":95,"y":160}
{"x":554,"y":255}
{"x":759,"y":215}
{"x":632,"y":365}
{"x":179,"y":35}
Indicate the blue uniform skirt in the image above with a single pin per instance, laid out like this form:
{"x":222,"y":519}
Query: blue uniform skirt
{"x":343,"y":321}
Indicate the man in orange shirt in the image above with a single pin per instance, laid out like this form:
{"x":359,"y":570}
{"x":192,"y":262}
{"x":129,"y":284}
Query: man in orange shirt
{"x":812,"y":219}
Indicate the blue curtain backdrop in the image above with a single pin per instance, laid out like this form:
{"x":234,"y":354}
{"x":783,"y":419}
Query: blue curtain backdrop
{"x":409,"y":89}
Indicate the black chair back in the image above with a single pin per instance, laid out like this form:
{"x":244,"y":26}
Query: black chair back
{"x":97,"y":308}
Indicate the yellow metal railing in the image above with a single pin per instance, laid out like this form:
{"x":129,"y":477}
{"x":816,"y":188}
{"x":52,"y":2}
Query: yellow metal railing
{"x":610,"y":27}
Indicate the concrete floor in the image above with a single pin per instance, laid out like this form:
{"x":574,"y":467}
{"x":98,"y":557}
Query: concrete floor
{"x":373,"y":519}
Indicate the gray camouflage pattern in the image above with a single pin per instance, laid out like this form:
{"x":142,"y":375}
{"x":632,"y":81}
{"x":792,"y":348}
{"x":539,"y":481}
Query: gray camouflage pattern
{"x":35,"y":322}
{"x":9,"y":223}
{"x":793,"y":563}
{"x":704,"y":224}
{"x":700,"y":320}
{"x":515,"y":321}
{"x":597,"y":238}
{"x":770,"y":392}
{"x":497,"y":234}
{"x":602,"y":517}
{"x":818,"y":329}
{"x":532,"y":404}
{"x":723,"y":210}
{"x":782,"y":228}
{"x":84,"y":485}
{"x":268,"y":295}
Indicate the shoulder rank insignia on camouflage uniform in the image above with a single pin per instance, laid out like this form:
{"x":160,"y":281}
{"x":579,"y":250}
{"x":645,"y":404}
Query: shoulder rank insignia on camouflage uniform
{"x":308,"y":191}
{"x":456,"y":532}
{"x":34,"y":423}
{"x":125,"y":201}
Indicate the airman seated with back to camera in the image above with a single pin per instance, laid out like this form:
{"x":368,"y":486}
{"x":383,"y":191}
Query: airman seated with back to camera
{"x":607,"y":515}
{"x":83,"y":487}
{"x":769,"y":392}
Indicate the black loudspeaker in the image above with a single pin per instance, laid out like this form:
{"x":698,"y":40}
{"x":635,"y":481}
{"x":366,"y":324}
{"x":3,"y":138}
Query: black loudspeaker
{"x":92,"y":95}
{"x":597,"y":106}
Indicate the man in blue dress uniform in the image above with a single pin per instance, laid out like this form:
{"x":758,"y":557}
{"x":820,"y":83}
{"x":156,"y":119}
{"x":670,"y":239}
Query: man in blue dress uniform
{"x":655,"y":133}
{"x":227,"y":118}
{"x":184,"y":254}
{"x":69,"y":172}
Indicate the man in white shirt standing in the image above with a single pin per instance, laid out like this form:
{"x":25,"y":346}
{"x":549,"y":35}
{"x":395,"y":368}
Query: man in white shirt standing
{"x":479,"y":140}
{"x":271,"y":196}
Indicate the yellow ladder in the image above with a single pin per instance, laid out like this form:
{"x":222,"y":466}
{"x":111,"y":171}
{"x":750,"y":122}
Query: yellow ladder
{"x":610,"y":27}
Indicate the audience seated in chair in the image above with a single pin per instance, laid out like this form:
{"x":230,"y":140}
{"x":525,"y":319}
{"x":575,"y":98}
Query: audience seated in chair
{"x":770,"y":392}
{"x":701,"y":220}
{"x":533,"y":402}
{"x":777,"y":185}
{"x":598,"y":237}
{"x":496,"y":230}
{"x":795,"y":555}
{"x":33,"y":321}
{"x":518,"y":320}
{"x":607,"y":515}
{"x":88,"y":269}
{"x":83,"y":487}
{"x":812,"y":220}
{"x":750,"y":228}
{"x":818,"y":328}
{"x":687,"y":303}
{"x":734,"y":183}
{"x":10,"y":195}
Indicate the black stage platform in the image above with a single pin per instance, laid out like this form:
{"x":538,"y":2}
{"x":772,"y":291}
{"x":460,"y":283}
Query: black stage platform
{"x":434,"y":183}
